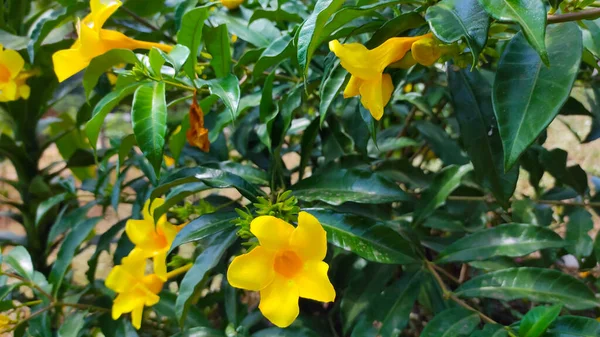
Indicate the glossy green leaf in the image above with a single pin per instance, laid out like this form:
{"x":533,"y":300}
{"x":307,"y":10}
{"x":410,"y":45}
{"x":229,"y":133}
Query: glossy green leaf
{"x":45,"y":24}
{"x":529,"y":14}
{"x":347,"y":14}
{"x":444,"y":183}
{"x":227,"y":88}
{"x":11,"y":41}
{"x":72,"y":325}
{"x":339,"y":186}
{"x":190,"y":35}
{"x":504,"y":240}
{"x":276,"y":52}
{"x":395,"y":27}
{"x":525,"y":105}
{"x":578,"y":227}
{"x":535,"y":284}
{"x":203,"y":227}
{"x":491,"y":330}
{"x":149,"y":119}
{"x":67,"y":251}
{"x":556,"y":161}
{"x":391,"y":308}
{"x":208,"y":259}
{"x":451,"y":20}
{"x":446,"y":148}
{"x":260,"y":33}
{"x":309,"y":35}
{"x":472,"y":96}
{"x":200,"y":332}
{"x":156,"y":61}
{"x":106,"y":104}
{"x":537,"y":320}
{"x":177,"y":57}
{"x":330,"y":87}
{"x":48,"y":204}
{"x":452,"y":323}
{"x":370,"y":240}
{"x":217,"y":45}
{"x":574,"y":326}
{"x":20,"y":261}
{"x":287,"y":332}
{"x":100,"y":64}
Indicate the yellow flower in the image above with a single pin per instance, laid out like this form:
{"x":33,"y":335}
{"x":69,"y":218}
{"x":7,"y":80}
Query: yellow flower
{"x":94,"y":41}
{"x":153,"y":239}
{"x":366,"y":67}
{"x":285,"y":266}
{"x":232,"y":4}
{"x":135,"y":289}
{"x":426,"y":51}
{"x":12,"y":79}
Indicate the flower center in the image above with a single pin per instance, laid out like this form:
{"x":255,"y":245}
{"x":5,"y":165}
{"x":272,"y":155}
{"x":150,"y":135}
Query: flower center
{"x":287,"y":263}
{"x":4,"y":74}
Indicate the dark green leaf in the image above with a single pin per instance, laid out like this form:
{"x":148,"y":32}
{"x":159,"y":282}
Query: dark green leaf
{"x":451,"y":20}
{"x":339,"y":186}
{"x":227,"y":88}
{"x":505,"y":240}
{"x":537,"y":320}
{"x":395,"y":27}
{"x":580,"y":242}
{"x":444,"y":183}
{"x":203,"y":227}
{"x":472,"y":96}
{"x":330,"y":88}
{"x":491,"y":330}
{"x":190,"y":35}
{"x":574,"y":326}
{"x":530,"y":14}
{"x":525,"y":105}
{"x":72,"y":325}
{"x":278,"y":51}
{"x":452,"y":323}
{"x":20,"y":261}
{"x":535,"y":284}
{"x":100,"y":64}
{"x":442,"y":145}
{"x":217,"y":45}
{"x":48,"y":204}
{"x":149,"y":119}
{"x":555,"y":162}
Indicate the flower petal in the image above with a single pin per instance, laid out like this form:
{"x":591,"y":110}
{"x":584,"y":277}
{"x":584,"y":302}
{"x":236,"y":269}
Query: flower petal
{"x":352,"y":88}
{"x":101,"y":11}
{"x":113,"y":40}
{"x":160,"y":264}
{"x":125,"y":303}
{"x":313,"y":282}
{"x":426,"y":51}
{"x":354,"y":57}
{"x":371,"y":97}
{"x":68,"y":62}
{"x":120,"y":280}
{"x":13,"y":62}
{"x":139,"y":231}
{"x":148,"y":210}
{"x":252,"y":271}
{"x":387,"y":88}
{"x":272,"y":233}
{"x":309,"y":239}
{"x":136,"y":316}
{"x":279,"y":302}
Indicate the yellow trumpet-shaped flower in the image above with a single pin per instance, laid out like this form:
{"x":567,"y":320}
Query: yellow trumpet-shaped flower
{"x":93,"y":41}
{"x":135,"y":289}
{"x":285,"y":266}
{"x":367,"y":66}
{"x":153,"y":239}
{"x":12,"y":78}
{"x":232,"y":4}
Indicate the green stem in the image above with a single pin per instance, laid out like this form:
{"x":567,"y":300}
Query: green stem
{"x":586,"y":14}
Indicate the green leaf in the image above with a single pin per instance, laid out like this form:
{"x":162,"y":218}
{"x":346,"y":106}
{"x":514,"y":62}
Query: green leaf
{"x":42,"y":27}
{"x":149,"y":120}
{"x":580,"y":223}
{"x":200,"y":332}
{"x":287,"y":332}
{"x":72,"y":325}
{"x":100,"y":64}
{"x":444,"y":183}
{"x":504,"y":240}
{"x":48,"y":204}
{"x":227,"y":88}
{"x":338,"y":186}
{"x":451,"y":20}
{"x":157,"y":61}
{"x":208,"y":259}
{"x":106,"y":104}
{"x":276,"y":15}
{"x":370,"y":240}
{"x":537,"y":320}
{"x":190,"y":35}
{"x":309,"y":35}
{"x":20,"y":261}
{"x":491,"y":330}
{"x":574,"y":326}
{"x":217,"y":45}
{"x":278,"y":51}
{"x":526,"y":104}
{"x":452,"y":323}
{"x":529,"y":14}
{"x":15,"y":42}
{"x":349,"y":13}
{"x":391,"y":308}
{"x":177,"y":57}
{"x":259,"y":33}
{"x":555,"y":162}
{"x":395,"y":27}
{"x":472,"y":97}
{"x":68,"y":249}
{"x":443,"y":146}
{"x":330,"y":87}
{"x":203,"y":227}
{"x":535,"y":284}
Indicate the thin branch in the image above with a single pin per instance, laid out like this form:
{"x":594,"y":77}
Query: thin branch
{"x":586,"y":14}
{"x":30,"y":284}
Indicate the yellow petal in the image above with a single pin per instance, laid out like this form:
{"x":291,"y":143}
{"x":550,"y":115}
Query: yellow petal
{"x":148,"y":210}
{"x":352,"y":88}
{"x":153,"y":284}
{"x":272,"y":233}
{"x":313,"y":282}
{"x":426,"y":51}
{"x":135,"y":262}
{"x":160,"y":264}
{"x":309,"y":239}
{"x":120,"y":280}
{"x":101,"y":11}
{"x":8,"y":91}
{"x":68,"y":62}
{"x":387,"y":88}
{"x":136,"y":317}
{"x":371,"y":95}
{"x":13,"y":62}
{"x":139,"y":231}
{"x":279,"y":302}
{"x":24,"y":91}
{"x":125,"y":303}
{"x":113,"y":40}
{"x":252,"y":271}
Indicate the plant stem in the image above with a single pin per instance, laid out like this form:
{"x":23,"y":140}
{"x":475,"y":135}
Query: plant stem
{"x":179,"y":271}
{"x":586,"y":14}
{"x":30,"y":284}
{"x":81,"y":306}
{"x":147,"y":24}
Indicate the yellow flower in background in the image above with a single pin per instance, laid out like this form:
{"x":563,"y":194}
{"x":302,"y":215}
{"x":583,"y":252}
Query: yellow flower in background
{"x":367,"y":66}
{"x":153,"y":239}
{"x":288,"y":264}
{"x":232,"y":4}
{"x":12,"y":78}
{"x":135,"y":289}
{"x":426,"y":51}
{"x":93,"y":41}
{"x":5,"y":323}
